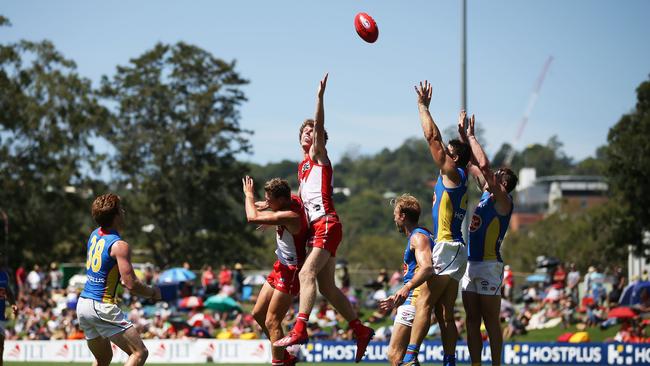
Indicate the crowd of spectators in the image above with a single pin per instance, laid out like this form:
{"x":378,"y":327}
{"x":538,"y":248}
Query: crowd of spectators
{"x":557,"y":296}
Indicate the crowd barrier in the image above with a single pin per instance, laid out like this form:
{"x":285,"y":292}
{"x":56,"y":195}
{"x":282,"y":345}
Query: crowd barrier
{"x":258,"y":351}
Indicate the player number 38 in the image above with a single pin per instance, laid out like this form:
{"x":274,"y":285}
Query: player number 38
{"x":94,"y":260}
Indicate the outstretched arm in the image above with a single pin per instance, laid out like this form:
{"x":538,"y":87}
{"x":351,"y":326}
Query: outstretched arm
{"x":500,"y":194}
{"x":472,"y":166}
{"x":253,"y":215}
{"x":431,"y":131}
{"x":12,"y":300}
{"x":318,"y":151}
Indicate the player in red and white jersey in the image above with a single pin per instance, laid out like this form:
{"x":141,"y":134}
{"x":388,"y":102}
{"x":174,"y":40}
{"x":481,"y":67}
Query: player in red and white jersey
{"x":315,"y":177}
{"x":276,"y":296}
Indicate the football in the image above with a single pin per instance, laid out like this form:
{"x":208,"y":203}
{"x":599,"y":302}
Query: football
{"x":366,"y":27}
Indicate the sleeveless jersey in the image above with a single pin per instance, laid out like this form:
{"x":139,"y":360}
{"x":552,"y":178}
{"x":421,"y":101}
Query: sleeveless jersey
{"x":316,"y":190}
{"x":449,"y":207}
{"x":410,"y":264}
{"x":102,"y":272}
{"x":291,"y":247}
{"x":487,"y":230}
{"x":4,"y":288}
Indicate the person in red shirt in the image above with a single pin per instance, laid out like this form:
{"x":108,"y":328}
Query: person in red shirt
{"x":225,"y":276}
{"x":559,"y":277}
{"x":207,"y":277}
{"x":276,"y":296}
{"x":315,"y":175}
{"x":508,"y":282}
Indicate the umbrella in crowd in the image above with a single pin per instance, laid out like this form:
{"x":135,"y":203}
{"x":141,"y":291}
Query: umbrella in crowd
{"x":537,"y":277}
{"x":254,"y":280}
{"x":222,"y":303}
{"x":190,"y":302}
{"x":176,"y":275}
{"x":632,"y":293}
{"x":621,"y":312}
{"x":201,"y":320}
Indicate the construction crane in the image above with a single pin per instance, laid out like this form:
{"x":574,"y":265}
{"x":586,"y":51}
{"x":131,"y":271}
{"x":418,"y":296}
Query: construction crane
{"x":531,"y":104}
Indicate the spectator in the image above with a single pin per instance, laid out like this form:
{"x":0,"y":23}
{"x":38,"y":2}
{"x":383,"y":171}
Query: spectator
{"x":559,"y":277}
{"x":225,"y":276}
{"x":238,"y":280}
{"x":56,"y":276}
{"x":573,"y":282}
{"x":207,"y":279}
{"x":619,"y":283}
{"x":508,"y":283}
{"x":21,"y":278}
{"x":34,"y":278}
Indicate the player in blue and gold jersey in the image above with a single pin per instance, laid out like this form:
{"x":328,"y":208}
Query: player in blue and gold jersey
{"x":483,"y":278}
{"x":418,"y":267}
{"x":6,"y":295}
{"x":109,"y":261}
{"x":449,"y":255}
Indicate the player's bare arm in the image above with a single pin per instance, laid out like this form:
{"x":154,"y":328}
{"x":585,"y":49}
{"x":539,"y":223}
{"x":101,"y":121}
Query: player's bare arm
{"x":432,"y":133}
{"x":422,"y":248}
{"x":472,"y":166}
{"x":502,"y":199}
{"x":12,"y":301}
{"x":317,"y":151}
{"x":122,"y":253}
{"x":286,"y":218}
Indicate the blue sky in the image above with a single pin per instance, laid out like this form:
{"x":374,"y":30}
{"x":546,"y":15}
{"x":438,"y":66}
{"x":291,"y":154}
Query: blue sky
{"x":600,"y":48}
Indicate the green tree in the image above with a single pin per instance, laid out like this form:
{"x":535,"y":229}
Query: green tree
{"x":48,"y":117}
{"x":177,"y":136}
{"x":547,"y":159}
{"x":628,"y":168}
{"x":584,"y":237}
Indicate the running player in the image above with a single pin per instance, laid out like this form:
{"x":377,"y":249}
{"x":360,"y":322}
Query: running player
{"x":449,"y":254}
{"x":483,"y":279}
{"x":108,"y":261}
{"x":418,"y":267}
{"x":315,"y":176}
{"x":276,"y":296}
{"x":6,"y":295}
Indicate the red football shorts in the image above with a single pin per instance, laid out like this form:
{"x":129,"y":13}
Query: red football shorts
{"x":284,"y":278}
{"x":326,"y":233}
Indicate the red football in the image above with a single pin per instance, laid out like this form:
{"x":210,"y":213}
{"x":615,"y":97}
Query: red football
{"x":366,"y":27}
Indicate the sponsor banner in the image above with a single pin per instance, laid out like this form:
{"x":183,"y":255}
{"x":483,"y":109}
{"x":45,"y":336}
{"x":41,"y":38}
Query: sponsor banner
{"x":160,"y":351}
{"x":259,"y":351}
{"x":513,"y":353}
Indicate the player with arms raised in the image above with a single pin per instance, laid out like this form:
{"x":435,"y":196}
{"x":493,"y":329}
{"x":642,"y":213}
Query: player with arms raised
{"x":483,"y":279}
{"x":315,"y":177}
{"x":276,"y":296}
{"x":449,"y":255}
{"x":108,"y":261}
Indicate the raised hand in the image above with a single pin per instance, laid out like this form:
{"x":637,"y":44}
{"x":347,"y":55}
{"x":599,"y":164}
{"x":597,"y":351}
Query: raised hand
{"x":424,"y":92}
{"x":462,"y":125}
{"x":322,"y":85}
{"x":248,"y":185}
{"x":470,"y":130}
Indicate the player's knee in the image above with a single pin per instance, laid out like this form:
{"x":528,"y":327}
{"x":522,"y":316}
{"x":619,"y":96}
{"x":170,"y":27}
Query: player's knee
{"x":272,"y":323}
{"x":307,"y":277}
{"x":141,"y":354}
{"x":258,"y":316}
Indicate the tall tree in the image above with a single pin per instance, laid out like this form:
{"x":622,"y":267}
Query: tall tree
{"x":628,"y":168}
{"x":177,"y":135}
{"x":48,"y":117}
